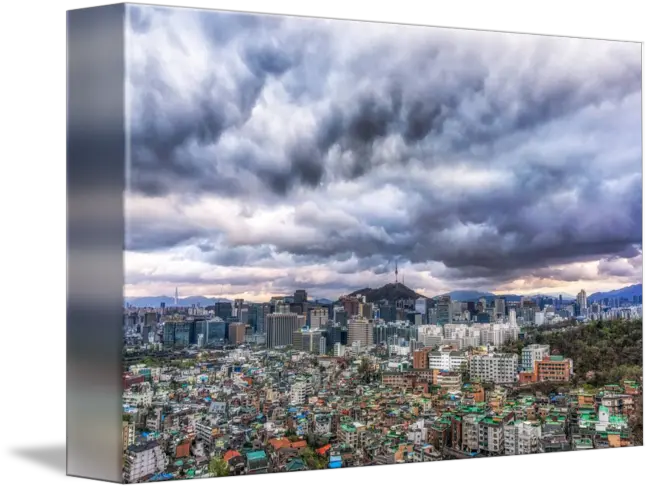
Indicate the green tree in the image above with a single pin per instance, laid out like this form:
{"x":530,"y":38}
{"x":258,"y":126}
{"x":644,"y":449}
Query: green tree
{"x":636,"y":420}
{"x":611,"y":349}
{"x":464,"y":372}
{"x":218,"y":467}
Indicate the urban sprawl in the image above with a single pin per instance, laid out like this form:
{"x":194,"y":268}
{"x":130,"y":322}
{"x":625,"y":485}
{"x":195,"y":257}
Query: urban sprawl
{"x":229,"y":388}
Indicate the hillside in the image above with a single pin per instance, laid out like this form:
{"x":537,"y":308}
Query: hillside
{"x":390,"y":292}
{"x":622,"y":293}
{"x":610,"y":349}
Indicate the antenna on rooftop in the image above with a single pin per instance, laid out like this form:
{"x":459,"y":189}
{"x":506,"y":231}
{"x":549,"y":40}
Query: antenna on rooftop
{"x":396,"y":272}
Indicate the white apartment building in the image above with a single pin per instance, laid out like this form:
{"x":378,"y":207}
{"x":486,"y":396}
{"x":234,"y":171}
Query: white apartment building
{"x":446,"y":360}
{"x":522,"y":438}
{"x":496,"y":368}
{"x":297,"y":393}
{"x":153,"y":420}
{"x":539,"y":318}
{"x":322,"y":423}
{"x":512,"y":316}
{"x":205,"y":431}
{"x":533,"y":353}
{"x":142,"y":398}
{"x":143,"y":460}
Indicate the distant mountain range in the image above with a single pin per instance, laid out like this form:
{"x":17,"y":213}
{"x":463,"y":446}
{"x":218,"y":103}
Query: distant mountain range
{"x":392,"y":292}
{"x":170,"y":301}
{"x":623,"y":293}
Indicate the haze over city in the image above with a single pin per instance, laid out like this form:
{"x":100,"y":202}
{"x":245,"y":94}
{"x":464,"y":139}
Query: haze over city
{"x":316,"y":154}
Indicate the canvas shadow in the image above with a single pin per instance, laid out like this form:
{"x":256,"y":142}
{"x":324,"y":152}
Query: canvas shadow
{"x":53,"y":457}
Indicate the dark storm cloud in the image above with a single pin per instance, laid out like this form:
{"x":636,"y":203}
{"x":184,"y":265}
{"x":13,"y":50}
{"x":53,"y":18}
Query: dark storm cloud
{"x":147,"y":237}
{"x":554,"y":136}
{"x":235,"y":257}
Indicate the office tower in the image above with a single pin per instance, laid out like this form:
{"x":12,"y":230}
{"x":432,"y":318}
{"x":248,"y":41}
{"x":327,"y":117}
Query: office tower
{"x":300,"y":296}
{"x":444,"y":310}
{"x":351,"y":305}
{"x":243,"y":314}
{"x":236,"y":333}
{"x":499,"y":307}
{"x":365,"y":310}
{"x":413,"y":345}
{"x":281,"y":327}
{"x":420,"y":306}
{"x":309,"y":340}
{"x":179,"y":333}
{"x":237,"y":306}
{"x":388,"y":312}
{"x":216,"y":331}
{"x":360,"y":331}
{"x":341,"y":317}
{"x":318,"y":317}
{"x":223,"y":310}
{"x":257,"y":313}
{"x":582,"y":300}
{"x":512,"y":316}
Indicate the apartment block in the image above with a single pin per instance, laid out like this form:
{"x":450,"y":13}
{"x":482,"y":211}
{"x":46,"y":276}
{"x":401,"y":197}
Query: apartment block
{"x":495,"y":368}
{"x":143,"y":460}
{"x":533,"y":353}
{"x":553,"y":368}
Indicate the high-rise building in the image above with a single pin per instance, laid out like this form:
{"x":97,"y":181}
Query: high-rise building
{"x":512,"y":316}
{"x":421,"y":307}
{"x":281,"y":327}
{"x":318,"y":317}
{"x":444,"y":314}
{"x":223,"y":310}
{"x":582,"y":300}
{"x":499,"y":307}
{"x":236,"y":333}
{"x":360,"y":331}
{"x":350,"y":305}
{"x":309,"y":340}
{"x":300,"y":296}
{"x":179,"y":333}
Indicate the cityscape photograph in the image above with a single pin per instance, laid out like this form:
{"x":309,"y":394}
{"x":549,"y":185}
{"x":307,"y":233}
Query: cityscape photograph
{"x":354,"y":244}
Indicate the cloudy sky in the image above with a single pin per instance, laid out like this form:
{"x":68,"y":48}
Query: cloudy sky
{"x":273,"y":153}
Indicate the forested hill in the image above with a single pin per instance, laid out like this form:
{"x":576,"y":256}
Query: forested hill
{"x":612,"y":349}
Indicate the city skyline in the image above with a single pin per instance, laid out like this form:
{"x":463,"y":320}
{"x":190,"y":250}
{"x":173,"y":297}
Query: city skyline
{"x":300,"y":159}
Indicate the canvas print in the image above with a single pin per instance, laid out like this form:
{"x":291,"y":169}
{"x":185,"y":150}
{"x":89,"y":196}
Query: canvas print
{"x":355,"y":244}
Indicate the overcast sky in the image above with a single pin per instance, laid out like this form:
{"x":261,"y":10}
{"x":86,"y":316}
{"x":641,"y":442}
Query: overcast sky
{"x":274,"y":153}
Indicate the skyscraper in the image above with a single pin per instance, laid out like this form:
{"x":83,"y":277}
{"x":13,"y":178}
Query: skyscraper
{"x":281,"y":327}
{"x":444,"y":310}
{"x":361,"y":331}
{"x":300,"y":296}
{"x":582,"y":300}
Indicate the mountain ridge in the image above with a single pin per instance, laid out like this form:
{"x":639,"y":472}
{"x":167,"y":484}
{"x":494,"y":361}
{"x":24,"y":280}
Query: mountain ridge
{"x":391,"y":292}
{"x":625,"y":292}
